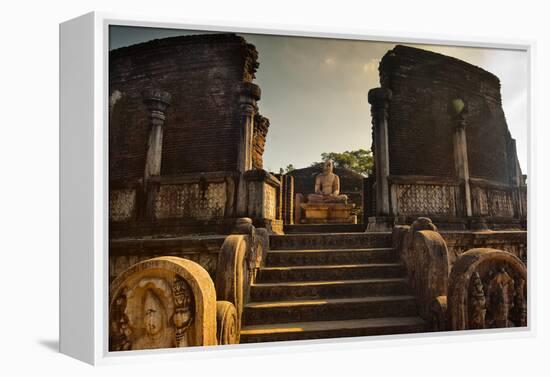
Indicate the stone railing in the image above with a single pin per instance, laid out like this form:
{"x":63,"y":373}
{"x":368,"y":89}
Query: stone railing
{"x":496,"y":200}
{"x":170,"y":302}
{"x":240,"y":257}
{"x":423,"y":195}
{"x":478,"y":288}
{"x":455,"y":203}
{"x":424,"y":254}
{"x":204,"y":196}
{"x":194,"y":203}
{"x":512,"y":241}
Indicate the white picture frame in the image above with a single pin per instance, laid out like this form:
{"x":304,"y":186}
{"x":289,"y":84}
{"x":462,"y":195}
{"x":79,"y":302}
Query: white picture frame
{"x":84,"y":187}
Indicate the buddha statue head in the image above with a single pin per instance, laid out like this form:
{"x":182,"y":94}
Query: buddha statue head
{"x":328,"y":167}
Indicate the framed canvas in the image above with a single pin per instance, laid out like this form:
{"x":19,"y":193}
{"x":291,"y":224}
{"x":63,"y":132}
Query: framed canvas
{"x":234,"y":189}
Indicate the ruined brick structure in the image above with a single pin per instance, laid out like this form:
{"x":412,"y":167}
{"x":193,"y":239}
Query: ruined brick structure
{"x":203,"y":74}
{"x":184,"y":129}
{"x":442,"y":145}
{"x":195,"y":222}
{"x":261,"y":126}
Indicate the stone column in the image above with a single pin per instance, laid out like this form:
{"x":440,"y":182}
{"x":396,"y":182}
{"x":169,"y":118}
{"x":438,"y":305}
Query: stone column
{"x":461,"y":151}
{"x":157,"y":103}
{"x":515,"y":176}
{"x":250,"y":93}
{"x":380,"y":98}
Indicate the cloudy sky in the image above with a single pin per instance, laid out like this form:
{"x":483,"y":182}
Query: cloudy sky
{"x":314,"y":90}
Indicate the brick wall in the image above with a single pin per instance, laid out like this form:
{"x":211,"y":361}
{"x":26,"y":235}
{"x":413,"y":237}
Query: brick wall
{"x":420,"y":127}
{"x":203,"y":74}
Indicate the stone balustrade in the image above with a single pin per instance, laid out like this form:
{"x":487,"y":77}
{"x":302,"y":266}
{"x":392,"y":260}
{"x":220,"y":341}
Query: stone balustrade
{"x":457,"y":289}
{"x":194,"y":203}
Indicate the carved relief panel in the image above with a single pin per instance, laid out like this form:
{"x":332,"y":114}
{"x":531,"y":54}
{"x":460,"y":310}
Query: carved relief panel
{"x":203,"y":202}
{"x":487,"y":289}
{"x":122,"y":204}
{"x":426,"y":199}
{"x":270,"y":202}
{"x":160,"y":303}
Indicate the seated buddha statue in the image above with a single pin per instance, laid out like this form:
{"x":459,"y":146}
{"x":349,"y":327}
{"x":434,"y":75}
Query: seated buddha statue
{"x":327,"y":187}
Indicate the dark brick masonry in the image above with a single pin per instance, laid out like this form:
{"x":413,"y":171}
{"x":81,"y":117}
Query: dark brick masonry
{"x":204,"y":74}
{"x":420,"y":128}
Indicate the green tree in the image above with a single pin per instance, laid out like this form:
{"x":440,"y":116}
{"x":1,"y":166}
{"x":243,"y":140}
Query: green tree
{"x":288,"y":169}
{"x":360,"y":160}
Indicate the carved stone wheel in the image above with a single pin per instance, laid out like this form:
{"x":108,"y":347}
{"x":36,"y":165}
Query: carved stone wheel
{"x":487,"y":289}
{"x":226,"y":318}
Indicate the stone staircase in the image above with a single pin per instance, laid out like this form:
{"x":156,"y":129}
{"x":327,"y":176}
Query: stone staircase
{"x":328,"y":286}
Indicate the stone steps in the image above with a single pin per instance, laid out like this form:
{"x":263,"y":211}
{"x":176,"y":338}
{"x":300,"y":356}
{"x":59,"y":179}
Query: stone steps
{"x":324,"y":228}
{"x":330,"y":272}
{"x":330,"y":241}
{"x":331,"y":329}
{"x":328,"y":285}
{"x":329,"y":309}
{"x":327,"y":289}
{"x":316,"y":257}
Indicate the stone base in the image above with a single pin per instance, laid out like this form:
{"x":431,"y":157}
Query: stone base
{"x":380,"y":224}
{"x":386,"y":223}
{"x":328,"y":213}
{"x":273,"y":226}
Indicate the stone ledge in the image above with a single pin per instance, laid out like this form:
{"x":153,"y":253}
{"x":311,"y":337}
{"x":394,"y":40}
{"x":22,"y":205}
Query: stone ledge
{"x":260,"y":175}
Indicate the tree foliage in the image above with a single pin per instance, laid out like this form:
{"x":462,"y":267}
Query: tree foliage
{"x":360,"y":160}
{"x":288,"y":169}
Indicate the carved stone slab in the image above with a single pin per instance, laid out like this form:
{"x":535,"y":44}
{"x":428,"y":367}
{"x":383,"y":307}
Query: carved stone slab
{"x":487,"y":289}
{"x":162,"y":303}
{"x":328,"y":213}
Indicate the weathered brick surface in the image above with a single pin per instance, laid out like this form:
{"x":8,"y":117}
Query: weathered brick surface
{"x":203,"y":74}
{"x":261,"y":126}
{"x":420,"y":127}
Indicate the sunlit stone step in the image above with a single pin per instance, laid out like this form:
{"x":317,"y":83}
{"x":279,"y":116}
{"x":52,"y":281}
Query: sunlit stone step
{"x":315,"y":257}
{"x":327,"y":289}
{"x":331,"y":329}
{"x":330,"y":272}
{"x":329,"y":309}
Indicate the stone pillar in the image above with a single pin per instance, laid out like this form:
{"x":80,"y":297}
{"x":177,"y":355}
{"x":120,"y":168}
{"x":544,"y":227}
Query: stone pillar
{"x":157,"y":102}
{"x":460,"y":151}
{"x":250,"y":93}
{"x":287,"y":182}
{"x":380,"y":98}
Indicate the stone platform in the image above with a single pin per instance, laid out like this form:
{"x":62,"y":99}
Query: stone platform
{"x":324,"y":228}
{"x":328,"y":213}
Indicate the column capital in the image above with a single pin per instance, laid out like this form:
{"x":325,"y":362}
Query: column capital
{"x":457,"y":109}
{"x":380,"y":97}
{"x":250,"y":91}
{"x":249,"y":94}
{"x":157,"y":99}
